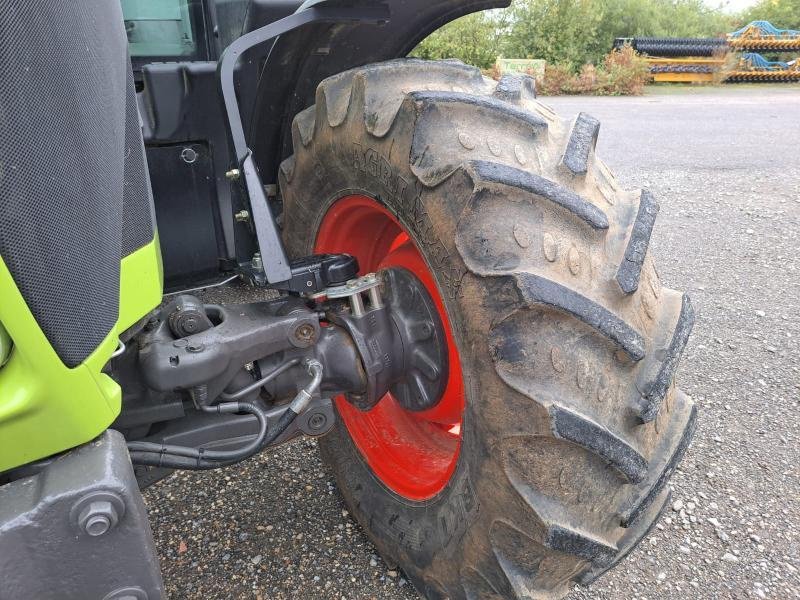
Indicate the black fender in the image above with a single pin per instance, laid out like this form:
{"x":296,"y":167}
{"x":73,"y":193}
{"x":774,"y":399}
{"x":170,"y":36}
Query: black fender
{"x":301,"y":59}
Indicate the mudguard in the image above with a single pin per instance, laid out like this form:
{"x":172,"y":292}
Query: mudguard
{"x":300,"y":60}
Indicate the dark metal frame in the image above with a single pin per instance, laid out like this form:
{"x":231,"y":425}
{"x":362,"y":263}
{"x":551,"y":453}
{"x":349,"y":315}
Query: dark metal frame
{"x":250,"y":357}
{"x":371,"y":13}
{"x":275,"y":262}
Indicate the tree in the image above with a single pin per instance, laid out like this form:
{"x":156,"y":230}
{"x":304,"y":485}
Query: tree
{"x":555,"y":30}
{"x":572,"y":32}
{"x":473,"y":39}
{"x":784,"y":14}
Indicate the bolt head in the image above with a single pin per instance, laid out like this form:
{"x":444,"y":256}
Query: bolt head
{"x":233,"y":174}
{"x":317,"y":421}
{"x":127,"y":593}
{"x":304,"y":332}
{"x":189,"y":155}
{"x":97,"y":525}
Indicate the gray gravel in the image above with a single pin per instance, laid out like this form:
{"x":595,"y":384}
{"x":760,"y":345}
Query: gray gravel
{"x":724,"y":166}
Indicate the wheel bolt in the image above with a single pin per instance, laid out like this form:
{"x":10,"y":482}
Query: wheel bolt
{"x":304,"y":333}
{"x":317,"y":421}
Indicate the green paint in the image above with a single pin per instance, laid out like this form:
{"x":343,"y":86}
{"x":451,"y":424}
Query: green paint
{"x":528,"y":66}
{"x":5,"y":345}
{"x":141,"y":284}
{"x":45,"y":407}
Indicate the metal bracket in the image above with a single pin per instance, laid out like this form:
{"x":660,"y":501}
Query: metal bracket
{"x":273,"y":255}
{"x":78,"y":528}
{"x":276,"y":263}
{"x":353,"y":290}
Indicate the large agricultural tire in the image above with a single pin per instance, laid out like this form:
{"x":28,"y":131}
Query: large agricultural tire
{"x":567,"y":344}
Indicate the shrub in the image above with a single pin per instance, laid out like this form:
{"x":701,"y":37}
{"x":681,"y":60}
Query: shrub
{"x":626,"y":72}
{"x":558,"y":79}
{"x":623,"y":72}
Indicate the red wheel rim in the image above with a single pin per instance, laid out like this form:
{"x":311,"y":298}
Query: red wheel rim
{"x":412,"y":453}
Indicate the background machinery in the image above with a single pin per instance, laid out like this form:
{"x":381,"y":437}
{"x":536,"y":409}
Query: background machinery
{"x":734,"y":58}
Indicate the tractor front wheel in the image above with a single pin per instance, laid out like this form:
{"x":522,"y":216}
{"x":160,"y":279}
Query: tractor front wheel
{"x":545,"y":461}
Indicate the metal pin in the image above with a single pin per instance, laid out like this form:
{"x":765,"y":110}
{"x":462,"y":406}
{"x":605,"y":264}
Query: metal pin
{"x":357,"y":305}
{"x":375,"y":299}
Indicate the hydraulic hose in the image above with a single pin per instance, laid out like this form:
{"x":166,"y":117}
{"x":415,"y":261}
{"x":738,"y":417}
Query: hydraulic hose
{"x":238,"y":454}
{"x":261,"y":382}
{"x":184,"y":457}
{"x":200,"y":463}
{"x":304,"y":396}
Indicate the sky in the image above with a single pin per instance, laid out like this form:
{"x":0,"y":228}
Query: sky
{"x":730,"y":6}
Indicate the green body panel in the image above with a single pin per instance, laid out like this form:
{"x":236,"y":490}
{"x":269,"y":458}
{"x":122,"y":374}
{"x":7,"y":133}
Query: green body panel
{"x":46,"y":407}
{"x":5,"y":345}
{"x":141,"y":284}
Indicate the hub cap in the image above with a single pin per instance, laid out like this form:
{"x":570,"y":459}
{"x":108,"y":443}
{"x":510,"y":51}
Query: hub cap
{"x":412,"y":453}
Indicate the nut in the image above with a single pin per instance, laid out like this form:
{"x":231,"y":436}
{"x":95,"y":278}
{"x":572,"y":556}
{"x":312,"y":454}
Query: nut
{"x":98,"y":517}
{"x":233,"y":174}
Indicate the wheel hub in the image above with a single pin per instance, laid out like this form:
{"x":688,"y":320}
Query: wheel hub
{"x":411,"y":437}
{"x":399,"y":337}
{"x":423,"y":376}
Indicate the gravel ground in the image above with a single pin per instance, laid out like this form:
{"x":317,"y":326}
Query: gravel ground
{"x":724,"y":166}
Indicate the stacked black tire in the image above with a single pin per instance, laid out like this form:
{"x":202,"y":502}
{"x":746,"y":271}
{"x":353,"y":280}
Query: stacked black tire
{"x":681,"y":69}
{"x":675,"y":47}
{"x":568,"y":341}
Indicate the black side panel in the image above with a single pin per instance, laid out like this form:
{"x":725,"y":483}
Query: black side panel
{"x":137,"y":200}
{"x":182,"y":176}
{"x":62,"y":149}
{"x":180,"y":107}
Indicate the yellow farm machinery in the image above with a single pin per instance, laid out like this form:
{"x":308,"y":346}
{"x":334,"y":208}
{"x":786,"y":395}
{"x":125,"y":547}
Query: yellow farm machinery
{"x":754,"y":67}
{"x":762,"y":36}
{"x":704,"y":60}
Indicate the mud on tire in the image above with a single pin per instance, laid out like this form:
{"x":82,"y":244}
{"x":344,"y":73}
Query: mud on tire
{"x":568,"y":342}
